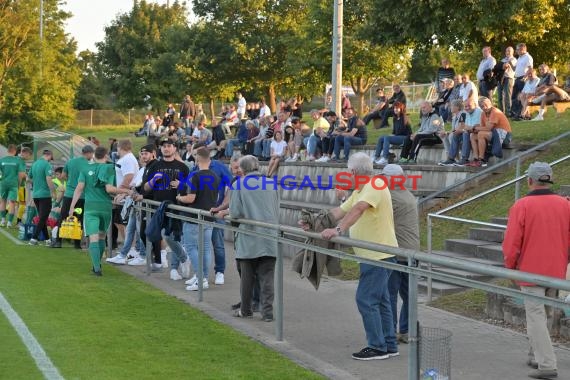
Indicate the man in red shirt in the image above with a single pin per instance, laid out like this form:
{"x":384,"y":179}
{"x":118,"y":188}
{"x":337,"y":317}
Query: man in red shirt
{"x":537,"y":241}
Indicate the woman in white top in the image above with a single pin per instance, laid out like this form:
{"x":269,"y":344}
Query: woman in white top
{"x":278,"y":151}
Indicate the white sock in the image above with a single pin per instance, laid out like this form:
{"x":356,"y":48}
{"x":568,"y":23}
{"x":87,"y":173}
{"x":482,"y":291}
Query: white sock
{"x":541,"y":112}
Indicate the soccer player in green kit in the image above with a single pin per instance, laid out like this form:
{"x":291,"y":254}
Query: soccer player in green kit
{"x":97,"y":180}
{"x":13,"y":171}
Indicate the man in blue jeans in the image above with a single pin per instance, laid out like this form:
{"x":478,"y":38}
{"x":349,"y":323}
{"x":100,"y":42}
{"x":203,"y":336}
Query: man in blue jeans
{"x":367,"y":215}
{"x":406,"y":221}
{"x":355,"y":134}
{"x":223,"y":173}
{"x":203,"y":195}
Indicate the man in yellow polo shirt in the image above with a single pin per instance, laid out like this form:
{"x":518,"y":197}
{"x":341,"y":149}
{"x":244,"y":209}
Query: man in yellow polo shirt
{"x":367,"y":215}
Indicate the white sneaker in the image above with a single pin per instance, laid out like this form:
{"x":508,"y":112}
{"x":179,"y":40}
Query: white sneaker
{"x":119,"y":260}
{"x":323,"y":159}
{"x":33,"y":242}
{"x":381,"y":161}
{"x":290,"y":159}
{"x":137,"y":261}
{"x":3,"y":223}
{"x":132,"y":253}
{"x":538,"y":118}
{"x":219,"y":279}
{"x":311,"y":158}
{"x":157,"y":267}
{"x":185,"y":269}
{"x":47,"y":242}
{"x":9,"y":225}
{"x":174,"y":275}
{"x":164,"y":258}
{"x":194,"y":287}
{"x":192,"y":281}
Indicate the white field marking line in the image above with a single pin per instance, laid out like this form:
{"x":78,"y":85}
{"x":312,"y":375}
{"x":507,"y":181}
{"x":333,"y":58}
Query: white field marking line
{"x":12,"y":238}
{"x":43,"y":362}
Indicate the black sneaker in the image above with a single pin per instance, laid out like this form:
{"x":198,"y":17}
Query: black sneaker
{"x":236,"y":306}
{"x":97,"y":273}
{"x":393,"y":353}
{"x":483,"y":163}
{"x":369,"y":353}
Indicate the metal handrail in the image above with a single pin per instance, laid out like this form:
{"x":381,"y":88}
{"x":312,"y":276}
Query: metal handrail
{"x":439,"y":214}
{"x":149,"y":206}
{"x":493,"y":168}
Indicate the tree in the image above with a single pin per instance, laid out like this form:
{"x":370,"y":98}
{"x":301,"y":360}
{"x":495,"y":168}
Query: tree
{"x":134,"y":55}
{"x":259,"y":35}
{"x":364,"y":64}
{"x":16,"y":25}
{"x":43,"y":80}
{"x":542,"y":24}
{"x":93,"y":91}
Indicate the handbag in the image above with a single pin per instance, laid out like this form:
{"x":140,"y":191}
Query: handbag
{"x":70,"y":229}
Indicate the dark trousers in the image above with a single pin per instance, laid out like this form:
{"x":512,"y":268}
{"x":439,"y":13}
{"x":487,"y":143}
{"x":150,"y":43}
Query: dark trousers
{"x":412,"y":147}
{"x":256,"y":291}
{"x":43,"y":205}
{"x":264,"y":268}
{"x":155,"y":246}
{"x":65,"y":204}
{"x":516,"y":107}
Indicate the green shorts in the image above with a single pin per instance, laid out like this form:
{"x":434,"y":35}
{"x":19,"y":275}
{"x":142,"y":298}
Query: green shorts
{"x":9,"y":192}
{"x":95,"y":221}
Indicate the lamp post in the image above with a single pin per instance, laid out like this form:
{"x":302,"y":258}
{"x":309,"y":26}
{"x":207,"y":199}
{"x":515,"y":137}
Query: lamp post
{"x":337,"y":56}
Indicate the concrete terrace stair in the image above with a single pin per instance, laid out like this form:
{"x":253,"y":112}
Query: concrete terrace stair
{"x":483,"y":246}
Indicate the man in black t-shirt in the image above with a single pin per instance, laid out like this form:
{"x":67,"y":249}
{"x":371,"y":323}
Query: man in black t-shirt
{"x":202,"y":194}
{"x":165,"y":179}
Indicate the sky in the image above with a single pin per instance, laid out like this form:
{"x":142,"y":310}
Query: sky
{"x":87,"y":25}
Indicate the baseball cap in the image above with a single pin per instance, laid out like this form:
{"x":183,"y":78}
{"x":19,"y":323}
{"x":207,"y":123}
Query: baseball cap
{"x":167,"y":141}
{"x":87,"y":149}
{"x":392,"y":170}
{"x":148,"y":148}
{"x":540,"y":171}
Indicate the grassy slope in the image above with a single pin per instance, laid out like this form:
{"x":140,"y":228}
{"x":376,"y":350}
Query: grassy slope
{"x":116,"y":327}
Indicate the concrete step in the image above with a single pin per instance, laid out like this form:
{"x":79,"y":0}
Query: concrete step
{"x":475,"y":248}
{"x":462,"y":274}
{"x":564,"y":190}
{"x":464,"y":246}
{"x":487,"y":234}
{"x":491,"y":252}
{"x":500,"y":220}
{"x":439,"y":289}
{"x":462,"y":256}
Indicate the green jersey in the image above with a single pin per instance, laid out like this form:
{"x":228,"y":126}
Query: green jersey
{"x":95,"y":177}
{"x":72,"y":168}
{"x":38,"y":173}
{"x":10,"y":168}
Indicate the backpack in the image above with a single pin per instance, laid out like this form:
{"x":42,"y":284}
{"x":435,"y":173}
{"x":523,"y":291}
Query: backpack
{"x":153,"y":229}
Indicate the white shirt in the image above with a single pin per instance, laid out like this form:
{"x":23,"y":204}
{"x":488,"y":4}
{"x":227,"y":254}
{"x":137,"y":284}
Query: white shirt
{"x":278,"y":148}
{"x":486,"y":64}
{"x":137,"y":179}
{"x":241,"y":106}
{"x":126,"y":165}
{"x":509,"y":72}
{"x":264,"y":111}
{"x":466,"y":88}
{"x":523,"y":64}
{"x":530,"y":86}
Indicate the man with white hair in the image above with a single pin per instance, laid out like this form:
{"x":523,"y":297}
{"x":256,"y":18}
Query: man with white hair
{"x":407,"y":226}
{"x":367,"y":215}
{"x":537,"y":241}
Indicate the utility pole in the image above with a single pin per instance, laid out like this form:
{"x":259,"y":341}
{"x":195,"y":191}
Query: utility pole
{"x":41,"y":38}
{"x":337,"y":56}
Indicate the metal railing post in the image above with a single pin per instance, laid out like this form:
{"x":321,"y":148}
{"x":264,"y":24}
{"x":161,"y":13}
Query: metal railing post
{"x":429,"y":248}
{"x":518,"y":183}
{"x":279,"y":293}
{"x":413,"y":364}
{"x":200,"y":270}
